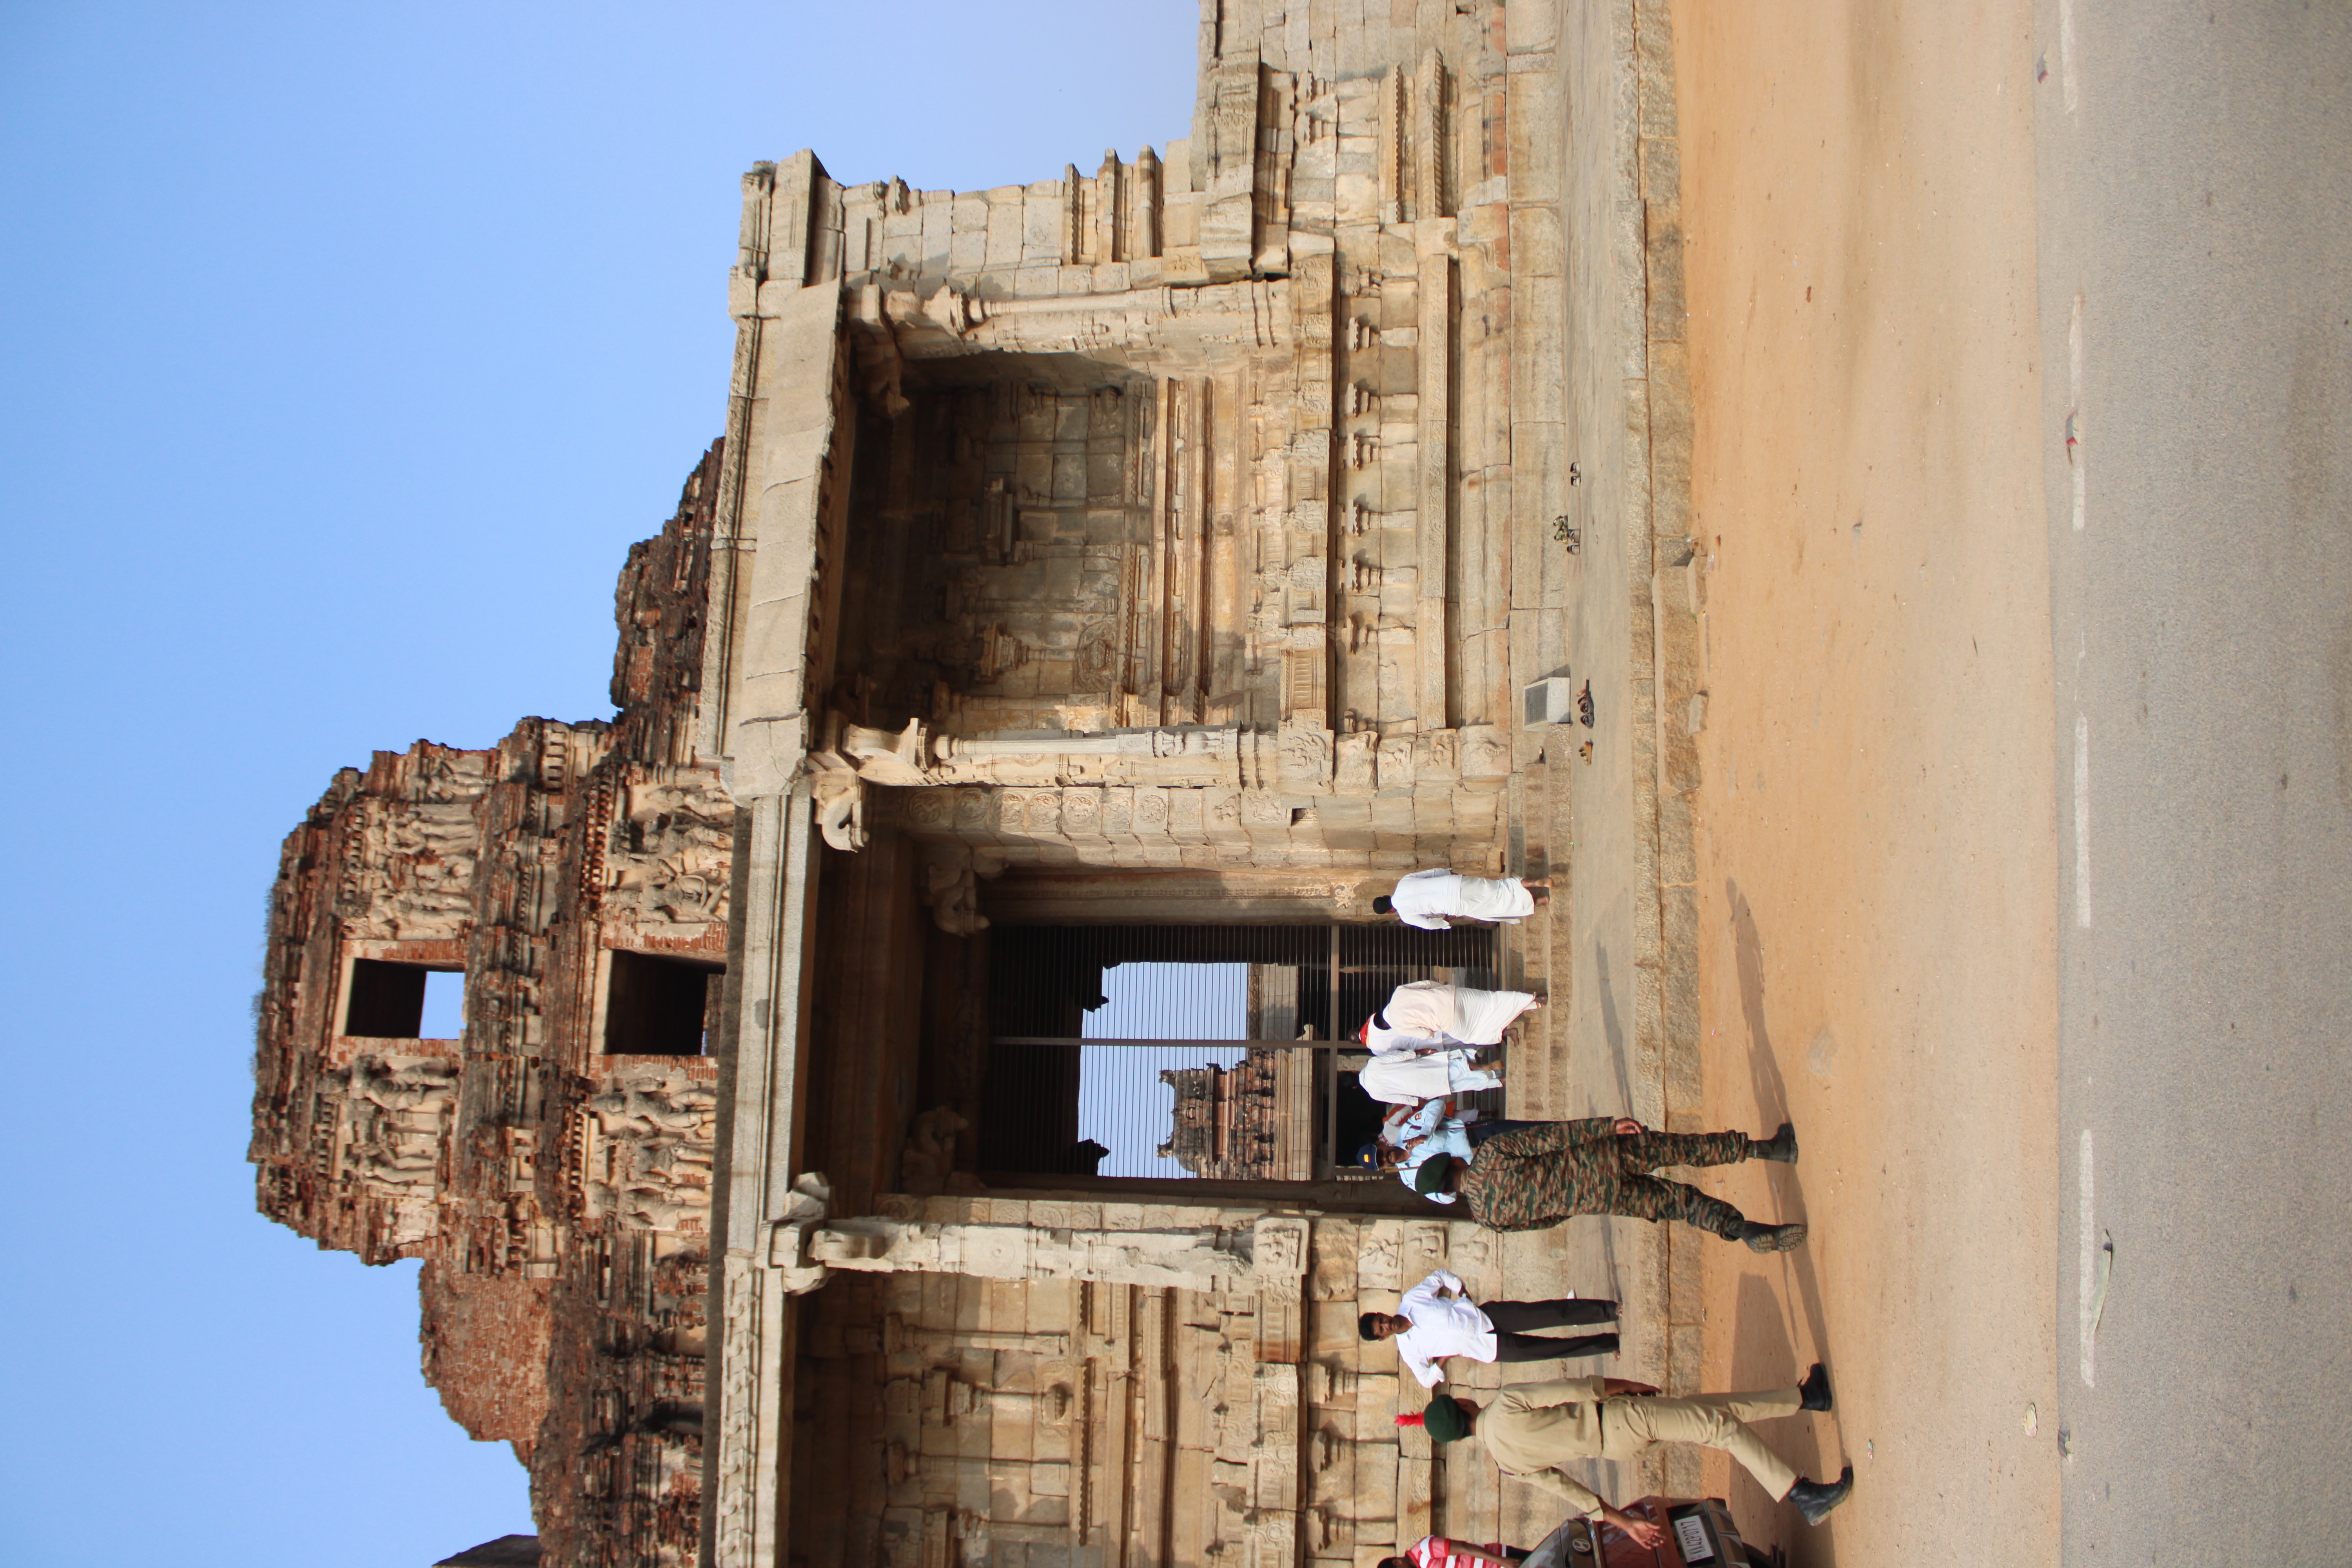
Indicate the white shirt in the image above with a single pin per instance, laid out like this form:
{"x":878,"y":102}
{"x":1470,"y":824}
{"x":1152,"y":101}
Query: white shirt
{"x":1406,"y":1123}
{"x":1396,"y":1041}
{"x":1408,"y":1078}
{"x":1418,"y":1015}
{"x":1450,"y":1140}
{"x":1442,"y":1326}
{"x":1430,"y":1014}
{"x":1424,"y":898}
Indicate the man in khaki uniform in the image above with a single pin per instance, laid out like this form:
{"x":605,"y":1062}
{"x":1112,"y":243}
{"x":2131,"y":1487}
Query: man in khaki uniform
{"x":1534,"y":1430}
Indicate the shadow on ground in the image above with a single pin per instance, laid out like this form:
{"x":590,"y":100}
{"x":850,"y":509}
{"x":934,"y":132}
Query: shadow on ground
{"x":1777,"y":1356}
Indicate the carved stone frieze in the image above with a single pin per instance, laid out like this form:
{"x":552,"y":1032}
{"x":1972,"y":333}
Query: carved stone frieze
{"x":647,"y":1148}
{"x":1001,"y":1239}
{"x":667,"y":863}
{"x":1485,"y":752}
{"x":1307,"y":757}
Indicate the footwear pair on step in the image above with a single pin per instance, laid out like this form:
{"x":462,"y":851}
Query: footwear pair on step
{"x":1815,"y":1499}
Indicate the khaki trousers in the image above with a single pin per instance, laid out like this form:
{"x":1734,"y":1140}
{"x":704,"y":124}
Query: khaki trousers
{"x":1630,"y":1424}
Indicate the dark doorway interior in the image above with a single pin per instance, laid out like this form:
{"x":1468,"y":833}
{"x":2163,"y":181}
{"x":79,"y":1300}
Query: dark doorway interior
{"x":657,"y":1005}
{"x":387,"y":999}
{"x":1359,"y":1120}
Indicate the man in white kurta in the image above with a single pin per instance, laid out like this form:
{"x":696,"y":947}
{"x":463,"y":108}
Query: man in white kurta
{"x":1425,"y":898}
{"x":1406,"y":1076}
{"x":1429,"y":1015}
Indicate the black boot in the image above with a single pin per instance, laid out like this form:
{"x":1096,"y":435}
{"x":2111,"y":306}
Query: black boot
{"x":1771,"y":1237}
{"x":1780,"y":1146}
{"x":1815,"y":1388}
{"x":1814,"y":1499}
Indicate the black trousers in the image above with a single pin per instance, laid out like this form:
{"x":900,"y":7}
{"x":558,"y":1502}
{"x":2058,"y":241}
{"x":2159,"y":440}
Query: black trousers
{"x":1477,"y":1133}
{"x":1513,"y":1322}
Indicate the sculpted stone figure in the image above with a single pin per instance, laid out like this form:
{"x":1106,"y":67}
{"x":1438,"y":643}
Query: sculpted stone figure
{"x":882,"y":757}
{"x":658,"y":1211}
{"x":406,"y":1088}
{"x":952,"y":887}
{"x":928,"y":1164}
{"x":839,"y":798}
{"x":386,"y":1158}
{"x":645,"y":1115}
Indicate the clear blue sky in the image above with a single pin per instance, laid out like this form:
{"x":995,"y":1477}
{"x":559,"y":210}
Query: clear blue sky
{"x":346,"y":348}
{"x":1122,"y":1104}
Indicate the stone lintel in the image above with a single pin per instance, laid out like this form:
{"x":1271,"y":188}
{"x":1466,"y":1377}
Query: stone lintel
{"x":1250,"y":1252}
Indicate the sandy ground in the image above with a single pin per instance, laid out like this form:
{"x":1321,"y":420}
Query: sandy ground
{"x":1877,"y":859}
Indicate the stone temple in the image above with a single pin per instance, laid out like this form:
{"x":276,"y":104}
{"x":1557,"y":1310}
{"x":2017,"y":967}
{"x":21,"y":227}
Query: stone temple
{"x":1133,"y":567}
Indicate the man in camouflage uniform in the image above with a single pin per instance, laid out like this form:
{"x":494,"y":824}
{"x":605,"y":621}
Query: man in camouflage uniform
{"x":1538,"y":1174}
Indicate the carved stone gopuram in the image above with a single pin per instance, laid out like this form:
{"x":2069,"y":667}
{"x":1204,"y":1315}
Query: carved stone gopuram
{"x":1122,"y":566}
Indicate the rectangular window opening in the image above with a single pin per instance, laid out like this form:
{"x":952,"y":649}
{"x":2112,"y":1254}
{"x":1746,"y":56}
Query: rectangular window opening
{"x":660,"y":1005}
{"x":386,"y":1000}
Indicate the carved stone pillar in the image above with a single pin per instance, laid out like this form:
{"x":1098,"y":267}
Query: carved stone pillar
{"x":1205,"y":1257}
{"x":1170,"y":758}
{"x":1241,"y":895}
{"x":1004,"y":1238}
{"x":900,"y":1337}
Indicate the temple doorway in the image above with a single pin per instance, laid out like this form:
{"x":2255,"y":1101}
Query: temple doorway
{"x":1217,"y":1052}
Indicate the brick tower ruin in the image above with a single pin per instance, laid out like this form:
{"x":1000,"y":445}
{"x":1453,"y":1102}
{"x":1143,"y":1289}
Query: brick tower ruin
{"x":552,"y":1167}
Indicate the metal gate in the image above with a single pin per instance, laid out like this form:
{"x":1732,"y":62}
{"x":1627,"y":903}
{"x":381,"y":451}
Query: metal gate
{"x":1226,"y":1052}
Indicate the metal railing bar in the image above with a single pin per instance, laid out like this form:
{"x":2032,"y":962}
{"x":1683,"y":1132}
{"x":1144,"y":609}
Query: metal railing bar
{"x":1328,"y":1077}
{"x":1173,"y":1044}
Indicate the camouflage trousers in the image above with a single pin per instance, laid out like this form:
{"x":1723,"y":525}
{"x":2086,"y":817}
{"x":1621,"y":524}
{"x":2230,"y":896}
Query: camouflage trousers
{"x":1538,"y":1174}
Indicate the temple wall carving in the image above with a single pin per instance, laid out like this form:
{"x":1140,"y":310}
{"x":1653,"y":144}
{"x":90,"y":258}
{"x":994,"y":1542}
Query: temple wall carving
{"x":1182,"y":475}
{"x":1071,"y":1418}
